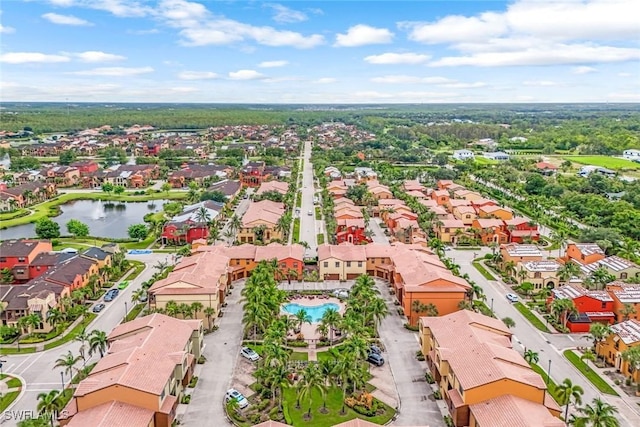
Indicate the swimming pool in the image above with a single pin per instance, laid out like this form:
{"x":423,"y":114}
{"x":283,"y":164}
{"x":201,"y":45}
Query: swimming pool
{"x":315,"y":312}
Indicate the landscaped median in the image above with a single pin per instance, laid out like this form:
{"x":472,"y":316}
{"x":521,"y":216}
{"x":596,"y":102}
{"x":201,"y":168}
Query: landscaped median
{"x":589,"y":373}
{"x":483,"y":270}
{"x":14,"y":386}
{"x":532,"y":318}
{"x":551,"y":385}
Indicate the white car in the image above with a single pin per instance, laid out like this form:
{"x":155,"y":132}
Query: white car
{"x":512,"y":297}
{"x":233,"y":394}
{"x":250,"y":354}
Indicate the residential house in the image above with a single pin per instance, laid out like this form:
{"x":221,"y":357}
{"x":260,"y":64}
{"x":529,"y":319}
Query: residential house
{"x":620,"y":268}
{"x":512,"y":411}
{"x":343,"y":262}
{"x":47,"y":260}
{"x":592,"y":306}
{"x":624,"y":335}
{"x":539,"y":273}
{"x":471,"y":358}
{"x":332,"y":172}
{"x":27,"y":194}
{"x":450,"y":230}
{"x":414,"y":185}
{"x":546,"y":168}
{"x":230,"y":188}
{"x":203,"y":277}
{"x":624,"y":294}
{"x":18,"y":255}
{"x":35,"y":297}
{"x":273,"y":186}
{"x":466,"y":214}
{"x":441,"y":197}
{"x":631,"y":154}
{"x":351,"y":231}
{"x":85,"y":166}
{"x":62,"y":176}
{"x":347,"y":212}
{"x":252,"y":174}
{"x":463,"y":155}
{"x":519,"y":253}
{"x":406,"y":230}
{"x":521,"y":229}
{"x":74,"y":273}
{"x":492,"y":211}
{"x":584,"y":253}
{"x":467,"y":195}
{"x":490,"y":231}
{"x":497,"y":155}
{"x":120,"y":391}
{"x":190,"y":224}
{"x":260,"y":222}
{"x":202,"y":175}
{"x":363,"y":174}
{"x":290,"y":258}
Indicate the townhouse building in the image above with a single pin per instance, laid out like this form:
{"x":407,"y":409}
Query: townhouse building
{"x":18,"y":255}
{"x":624,"y":335}
{"x":260,"y":222}
{"x":540,"y":273}
{"x":624,"y":295}
{"x":592,"y":306}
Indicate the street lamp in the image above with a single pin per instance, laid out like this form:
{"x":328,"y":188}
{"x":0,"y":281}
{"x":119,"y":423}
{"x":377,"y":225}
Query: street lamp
{"x":1,"y":362}
{"x":492,"y":305}
{"x":62,"y":379}
{"x":125,"y":310}
{"x":549,"y":372}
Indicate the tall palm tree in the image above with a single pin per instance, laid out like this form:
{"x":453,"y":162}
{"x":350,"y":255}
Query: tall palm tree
{"x":563,"y":308}
{"x":302,"y":317}
{"x":203,"y":215}
{"x":196,"y":307}
{"x":596,"y":414}
{"x":626,"y":311}
{"x":568,"y":270}
{"x":82,"y":338}
{"x":68,"y":362}
{"x":209,"y":312}
{"x":235,"y":223}
{"x":48,"y":403}
{"x":566,"y":392}
{"x":55,"y":317}
{"x":597,"y":333}
{"x":601,"y":277}
{"x":97,"y":342}
{"x":311,"y":379}
{"x":331,"y":318}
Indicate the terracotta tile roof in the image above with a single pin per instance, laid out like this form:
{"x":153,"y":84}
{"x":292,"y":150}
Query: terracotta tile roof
{"x":390,"y":202}
{"x":356,"y":423}
{"x":376,"y":250}
{"x":20,"y":248}
{"x":113,"y":414}
{"x":459,"y":202}
{"x":458,"y":328}
{"x":452,"y":223}
{"x":430,"y":203}
{"x":588,"y":248}
{"x":271,"y":423}
{"x":265,"y":210}
{"x":279,"y":252}
{"x":245,"y":251}
{"x":197,"y":274}
{"x":465,"y":209}
{"x":277,"y":186}
{"x":489,"y":223}
{"x":512,"y":411}
{"x":342,"y":252}
{"x":515,"y":221}
{"x":356,"y":222}
{"x":441,"y":193}
{"x":155,"y":340}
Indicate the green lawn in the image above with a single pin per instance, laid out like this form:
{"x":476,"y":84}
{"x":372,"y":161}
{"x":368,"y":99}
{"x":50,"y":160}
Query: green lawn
{"x":485,"y":273}
{"x":4,"y":216}
{"x":74,"y":332}
{"x":45,"y":209}
{"x":604,"y":161}
{"x":296,"y":230}
{"x":591,"y":375}
{"x":532,"y":318}
{"x":7,"y":399}
{"x":334,"y":407}
{"x":135,"y":311}
{"x":298,"y":356}
{"x":320,"y":238}
{"x":485,"y":161}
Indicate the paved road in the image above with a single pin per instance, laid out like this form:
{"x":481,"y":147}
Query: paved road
{"x":308,"y":224}
{"x":38,"y":370}
{"x":548,"y":346}
{"x":239,"y":211}
{"x":214,"y":378}
{"x":378,"y":234}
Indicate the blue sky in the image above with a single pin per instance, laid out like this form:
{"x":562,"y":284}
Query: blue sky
{"x":320,"y":52}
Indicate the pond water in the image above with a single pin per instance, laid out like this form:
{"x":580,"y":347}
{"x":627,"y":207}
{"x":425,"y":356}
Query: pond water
{"x":105,"y":219}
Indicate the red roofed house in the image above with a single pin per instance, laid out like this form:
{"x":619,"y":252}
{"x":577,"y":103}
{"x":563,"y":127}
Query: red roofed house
{"x":593,"y":306}
{"x":351,"y":231}
{"x":546,"y":168}
{"x":17,"y":256}
{"x":491,"y":231}
{"x":520,"y":229}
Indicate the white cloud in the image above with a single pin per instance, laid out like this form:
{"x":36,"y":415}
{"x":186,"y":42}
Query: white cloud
{"x":31,"y":57}
{"x":56,"y":18}
{"x":583,"y":70}
{"x":197,"y":75}
{"x":6,"y":30}
{"x":285,"y":15}
{"x":245,"y":75}
{"x":570,"y":54}
{"x":456,"y":28}
{"x":542,"y":83}
{"x":404,"y":96}
{"x":361,"y":35}
{"x":325,"y":80}
{"x":462,"y":85}
{"x":97,"y":56}
{"x":143,"y":32}
{"x":273,"y":64}
{"x":624,"y":97}
{"x":114,"y":71}
{"x":401,"y":79}
{"x":199,"y":27}
{"x":625,"y":75}
{"x":183,"y":89}
{"x":397,"y":58}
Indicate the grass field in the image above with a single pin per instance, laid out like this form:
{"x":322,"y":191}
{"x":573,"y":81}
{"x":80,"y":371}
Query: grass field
{"x":532,"y":318}
{"x":591,"y":375}
{"x":485,"y":161}
{"x":604,"y":162}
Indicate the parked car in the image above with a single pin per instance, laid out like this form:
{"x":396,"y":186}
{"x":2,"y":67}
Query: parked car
{"x":109,"y":296}
{"x":310,"y":213}
{"x":232,"y":393}
{"x":98,"y":308}
{"x":375,"y":349}
{"x":375,"y":359}
{"x":248,"y":353}
{"x":123,"y":284}
{"x":512,"y":297}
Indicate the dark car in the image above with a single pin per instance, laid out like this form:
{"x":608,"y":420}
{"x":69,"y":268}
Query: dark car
{"x":109,"y":296}
{"x":375,"y":349}
{"x":98,"y":308}
{"x":375,"y":359}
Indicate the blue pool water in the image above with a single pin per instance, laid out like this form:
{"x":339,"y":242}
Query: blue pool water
{"x":315,"y":312}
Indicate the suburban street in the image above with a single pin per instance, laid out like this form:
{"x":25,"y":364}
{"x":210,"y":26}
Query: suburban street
{"x":308,"y":223}
{"x":37,"y":369}
{"x":548,"y":346}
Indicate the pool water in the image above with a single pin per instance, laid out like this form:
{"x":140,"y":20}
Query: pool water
{"x":316,"y":312}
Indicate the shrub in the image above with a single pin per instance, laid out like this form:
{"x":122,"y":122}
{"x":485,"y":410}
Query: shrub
{"x":419,"y":355}
{"x":401,"y":311}
{"x":186,"y":399}
{"x":297,"y":343}
{"x":362,"y":410}
{"x":448,"y":421}
{"x":266,"y":394}
{"x":628,"y":382}
{"x":429,"y":378}
{"x":617,"y":382}
{"x":411,"y":327}
{"x":262,"y":405}
{"x":201,"y":360}
{"x":193,"y":382}
{"x":437,"y":395}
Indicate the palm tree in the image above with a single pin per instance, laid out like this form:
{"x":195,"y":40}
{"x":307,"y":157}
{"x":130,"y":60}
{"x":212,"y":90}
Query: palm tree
{"x":465,"y":305}
{"x":209,"y":312}
{"x":97,"y":342}
{"x":311,"y":379}
{"x":137,"y":295}
{"x":626,"y":311}
{"x":302,"y":317}
{"x":196,"y":307}
{"x":632,"y":357}
{"x":203,"y":215}
{"x":567,"y":392}
{"x":48,"y":403}
{"x":171,"y":309}
{"x":510,"y":268}
{"x":235,"y":223}
{"x":431,"y":310}
{"x":82,"y":338}
{"x":508,"y":322}
{"x":331,"y":318}
{"x":475,"y":292}
{"x":214,"y":234}
{"x":531,"y":356}
{"x":589,"y":356}
{"x":55,"y":317}
{"x":563,"y":309}
{"x":568,"y":270}
{"x":601,"y":277}
{"x":629,"y":249}
{"x":597,"y":333}
{"x":598,"y":414}
{"x":68,"y":362}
